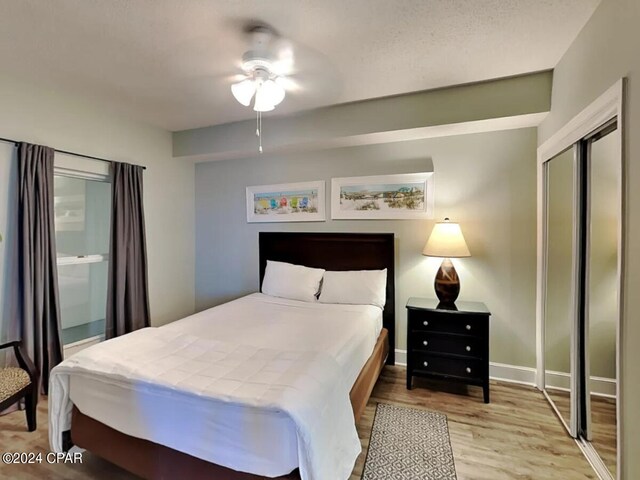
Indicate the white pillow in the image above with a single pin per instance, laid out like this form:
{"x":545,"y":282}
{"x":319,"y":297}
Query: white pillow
{"x":291,"y":281}
{"x":357,"y":287}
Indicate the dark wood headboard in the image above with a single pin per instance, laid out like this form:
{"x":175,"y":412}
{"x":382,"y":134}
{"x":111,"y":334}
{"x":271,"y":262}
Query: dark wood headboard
{"x":338,"y":252}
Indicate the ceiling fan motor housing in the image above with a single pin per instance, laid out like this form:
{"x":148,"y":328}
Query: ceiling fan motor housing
{"x":259,"y":59}
{"x":257,"y":64}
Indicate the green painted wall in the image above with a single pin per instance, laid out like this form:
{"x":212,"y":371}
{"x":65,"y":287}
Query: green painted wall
{"x":484,"y":181}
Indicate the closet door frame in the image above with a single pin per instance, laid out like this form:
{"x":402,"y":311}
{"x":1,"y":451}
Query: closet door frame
{"x":606,"y":108}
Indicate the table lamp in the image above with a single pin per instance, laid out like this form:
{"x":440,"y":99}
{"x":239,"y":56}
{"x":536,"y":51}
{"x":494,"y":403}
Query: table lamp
{"x":446,"y":241}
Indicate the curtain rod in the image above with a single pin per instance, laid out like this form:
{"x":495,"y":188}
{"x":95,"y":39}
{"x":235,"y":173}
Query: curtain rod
{"x":16,"y":142}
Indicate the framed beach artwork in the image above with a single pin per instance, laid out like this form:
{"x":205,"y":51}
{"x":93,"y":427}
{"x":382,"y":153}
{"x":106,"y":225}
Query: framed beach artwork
{"x":286,"y":202}
{"x":390,"y":197}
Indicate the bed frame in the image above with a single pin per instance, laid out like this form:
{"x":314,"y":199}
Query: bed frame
{"x":331,"y":251}
{"x":337,"y":252}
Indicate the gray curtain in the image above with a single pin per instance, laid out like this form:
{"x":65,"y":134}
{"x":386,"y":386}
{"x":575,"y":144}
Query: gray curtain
{"x":127,"y":295}
{"x":38,"y":279}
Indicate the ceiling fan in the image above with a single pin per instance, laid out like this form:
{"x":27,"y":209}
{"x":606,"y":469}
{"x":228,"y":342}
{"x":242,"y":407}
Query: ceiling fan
{"x":269,"y":71}
{"x":265,"y":67}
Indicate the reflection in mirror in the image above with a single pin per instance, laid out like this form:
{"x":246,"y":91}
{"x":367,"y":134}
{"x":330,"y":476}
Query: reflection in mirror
{"x":558,"y":319}
{"x":603,"y":295}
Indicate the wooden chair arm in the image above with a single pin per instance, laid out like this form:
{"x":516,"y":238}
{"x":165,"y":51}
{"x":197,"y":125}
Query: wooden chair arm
{"x":10,"y":344}
{"x":25,"y":363}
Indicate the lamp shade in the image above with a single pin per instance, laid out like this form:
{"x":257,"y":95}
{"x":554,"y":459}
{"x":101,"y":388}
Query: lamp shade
{"x":273,"y":92}
{"x":243,"y":91}
{"x":263,"y":101}
{"x":446,"y":241}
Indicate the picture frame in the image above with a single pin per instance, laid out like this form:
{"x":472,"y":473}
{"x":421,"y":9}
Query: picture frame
{"x":383,"y":197}
{"x":286,"y":202}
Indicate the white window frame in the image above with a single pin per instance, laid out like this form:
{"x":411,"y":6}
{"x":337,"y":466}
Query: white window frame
{"x":65,"y":169}
{"x":97,"y":171}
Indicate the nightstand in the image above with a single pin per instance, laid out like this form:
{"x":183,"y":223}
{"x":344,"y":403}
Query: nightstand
{"x":448,"y":342}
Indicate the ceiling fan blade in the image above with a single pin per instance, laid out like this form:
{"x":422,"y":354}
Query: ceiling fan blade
{"x":227,"y":77}
{"x":289,"y":83}
{"x":236,"y":77}
{"x":314,"y":89}
{"x":283,"y":53}
{"x":314,"y":75}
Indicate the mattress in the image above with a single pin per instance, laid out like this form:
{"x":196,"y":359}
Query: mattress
{"x":243,"y":438}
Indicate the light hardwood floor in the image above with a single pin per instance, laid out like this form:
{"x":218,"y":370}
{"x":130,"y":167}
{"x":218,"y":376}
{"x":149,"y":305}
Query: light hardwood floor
{"x":603,"y":424}
{"x":604,"y":427}
{"x":516,"y":436}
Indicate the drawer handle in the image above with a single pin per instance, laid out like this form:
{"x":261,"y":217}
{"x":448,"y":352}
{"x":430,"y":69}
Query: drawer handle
{"x":468,"y":327}
{"x":425,"y":323}
{"x":426,"y":364}
{"x":468,"y":348}
{"x":468,"y":370}
{"x":425,"y":343}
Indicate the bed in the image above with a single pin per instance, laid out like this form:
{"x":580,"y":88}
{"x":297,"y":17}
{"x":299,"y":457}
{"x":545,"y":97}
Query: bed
{"x":112,"y":420}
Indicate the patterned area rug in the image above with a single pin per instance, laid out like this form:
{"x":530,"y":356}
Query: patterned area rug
{"x":409,"y":444}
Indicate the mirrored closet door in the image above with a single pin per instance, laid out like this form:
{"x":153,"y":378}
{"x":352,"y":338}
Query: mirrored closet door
{"x":559,"y":306}
{"x":581,"y":294}
{"x":602,"y":294}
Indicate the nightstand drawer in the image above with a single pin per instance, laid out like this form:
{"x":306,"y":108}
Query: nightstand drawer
{"x":463,"y":368}
{"x":450,"y":344}
{"x":441,"y":322}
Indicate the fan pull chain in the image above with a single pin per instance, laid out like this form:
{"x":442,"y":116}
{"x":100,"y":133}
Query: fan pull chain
{"x":259,"y":130}
{"x":260,"y":140}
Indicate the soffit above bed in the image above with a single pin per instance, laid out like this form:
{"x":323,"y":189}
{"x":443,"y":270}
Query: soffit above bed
{"x":167,"y":62}
{"x":502,"y":104}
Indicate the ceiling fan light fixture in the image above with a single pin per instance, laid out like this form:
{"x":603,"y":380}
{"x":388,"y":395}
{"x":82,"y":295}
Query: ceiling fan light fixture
{"x":263,"y":102}
{"x":273,"y":91}
{"x":265,"y":72}
{"x":243,"y":91}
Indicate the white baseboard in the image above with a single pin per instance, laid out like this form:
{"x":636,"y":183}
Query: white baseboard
{"x":497,"y":371}
{"x":401,"y":357}
{"x":604,"y":387}
{"x":512,"y":373}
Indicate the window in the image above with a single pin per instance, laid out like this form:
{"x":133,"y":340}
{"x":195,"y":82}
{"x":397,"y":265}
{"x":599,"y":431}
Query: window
{"x":82,"y":222}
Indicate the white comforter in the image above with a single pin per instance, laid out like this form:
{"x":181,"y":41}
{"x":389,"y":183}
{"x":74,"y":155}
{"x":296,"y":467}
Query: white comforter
{"x":306,"y":383}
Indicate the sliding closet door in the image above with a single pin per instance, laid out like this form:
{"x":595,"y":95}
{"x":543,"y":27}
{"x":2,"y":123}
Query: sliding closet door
{"x":602,"y":166}
{"x":580,"y":282}
{"x":559,"y":318}
{"x":582,"y":205}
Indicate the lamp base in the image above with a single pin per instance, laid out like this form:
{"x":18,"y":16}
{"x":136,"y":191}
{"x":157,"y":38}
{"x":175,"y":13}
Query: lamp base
{"x":447,"y":283}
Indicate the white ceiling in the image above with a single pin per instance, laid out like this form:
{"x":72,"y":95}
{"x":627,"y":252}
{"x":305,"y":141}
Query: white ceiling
{"x":170,"y":62}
